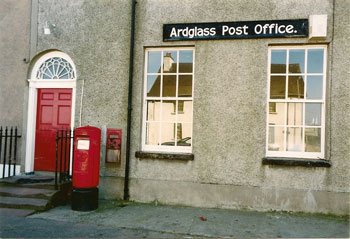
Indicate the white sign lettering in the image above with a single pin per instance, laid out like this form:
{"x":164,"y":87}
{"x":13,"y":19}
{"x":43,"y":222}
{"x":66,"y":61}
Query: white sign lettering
{"x":236,"y":30}
{"x":192,"y":32}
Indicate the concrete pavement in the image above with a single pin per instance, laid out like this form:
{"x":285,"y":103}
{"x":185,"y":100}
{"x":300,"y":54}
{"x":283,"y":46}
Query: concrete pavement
{"x":119,"y":219}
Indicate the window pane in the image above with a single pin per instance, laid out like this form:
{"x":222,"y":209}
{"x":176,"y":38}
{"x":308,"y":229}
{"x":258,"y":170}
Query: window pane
{"x":295,"y":114}
{"x":47,"y":75}
{"x":186,"y":61}
{"x":295,"y":87}
{"x":278,"y":61}
{"x":315,"y":61}
{"x":153,"y":110}
{"x":278,"y":87}
{"x":168,"y":110}
{"x":168,"y":134}
{"x":312,"y":140}
{"x":184,"y":114}
{"x":314,"y":89}
{"x":154,"y":61}
{"x":169,"y":106}
{"x":294,"y":139}
{"x":313,"y":114}
{"x":180,"y":106}
{"x":169,"y":61}
{"x":152,"y":133}
{"x":183,"y":134}
{"x":169,"y":86}
{"x":296,"y":61}
{"x":276,"y":114}
{"x":153,"y":86}
{"x":185,"y":86}
{"x":276,"y":139}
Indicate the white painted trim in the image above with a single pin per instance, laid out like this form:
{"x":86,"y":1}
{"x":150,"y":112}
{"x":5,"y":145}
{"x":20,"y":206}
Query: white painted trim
{"x":34,"y":85}
{"x":158,"y":148}
{"x":303,"y":101}
{"x":52,"y":83}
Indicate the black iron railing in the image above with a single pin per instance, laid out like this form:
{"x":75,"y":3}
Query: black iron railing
{"x":8,"y":150}
{"x":64,"y":155}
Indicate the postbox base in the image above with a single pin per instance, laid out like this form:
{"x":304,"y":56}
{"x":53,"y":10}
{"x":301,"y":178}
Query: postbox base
{"x":84,"y":199}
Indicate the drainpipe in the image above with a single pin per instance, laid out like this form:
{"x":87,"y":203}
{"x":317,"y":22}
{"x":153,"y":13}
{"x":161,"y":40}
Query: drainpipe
{"x":131,"y":68}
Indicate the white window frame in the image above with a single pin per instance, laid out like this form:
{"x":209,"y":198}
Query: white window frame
{"x":286,"y":100}
{"x":164,"y":148}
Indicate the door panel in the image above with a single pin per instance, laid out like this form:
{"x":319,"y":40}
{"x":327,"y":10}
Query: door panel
{"x":53,"y":112}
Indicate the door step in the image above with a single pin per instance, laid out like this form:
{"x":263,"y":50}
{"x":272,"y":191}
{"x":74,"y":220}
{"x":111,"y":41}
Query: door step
{"x":31,"y":193}
{"x":24,"y":203}
{"x":23,"y":192}
{"x":11,"y":212}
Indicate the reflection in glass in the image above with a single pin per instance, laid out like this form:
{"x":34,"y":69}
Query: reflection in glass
{"x":315,"y":61}
{"x":168,"y":113}
{"x":180,"y":107}
{"x":295,"y":113}
{"x":186,"y":61}
{"x":64,"y":74}
{"x":278,"y":61}
{"x":169,"y":61}
{"x":45,"y":77}
{"x":169,"y":86}
{"x":296,"y":61}
{"x":278,"y":87}
{"x":314,"y":89}
{"x":276,"y":116}
{"x":313,"y":114}
{"x":154,"y":61}
{"x":153,"y":110}
{"x":312,"y":140}
{"x":295,"y":87}
{"x":185,"y":86}
{"x":294,"y":139}
{"x":152,"y":133}
{"x":276,"y":139}
{"x":168,"y":134}
{"x":272,"y":107}
{"x":153,"y":86}
{"x":184,"y":114}
{"x":183,"y":134}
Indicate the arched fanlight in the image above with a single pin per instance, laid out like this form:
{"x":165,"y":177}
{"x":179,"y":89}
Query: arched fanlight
{"x":55,"y":68}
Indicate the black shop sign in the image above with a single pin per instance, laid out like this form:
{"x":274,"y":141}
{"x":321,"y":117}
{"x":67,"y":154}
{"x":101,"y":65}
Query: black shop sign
{"x":236,"y":30}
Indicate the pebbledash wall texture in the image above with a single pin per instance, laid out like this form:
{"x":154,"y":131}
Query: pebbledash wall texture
{"x":227,"y":165}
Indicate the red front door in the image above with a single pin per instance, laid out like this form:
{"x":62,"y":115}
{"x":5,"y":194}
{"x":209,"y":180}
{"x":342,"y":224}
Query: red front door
{"x":53,"y":112}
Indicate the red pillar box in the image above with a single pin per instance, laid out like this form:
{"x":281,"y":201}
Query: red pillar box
{"x":86,"y":168}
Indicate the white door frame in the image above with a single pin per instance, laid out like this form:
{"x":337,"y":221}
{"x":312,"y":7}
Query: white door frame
{"x":34,"y":85}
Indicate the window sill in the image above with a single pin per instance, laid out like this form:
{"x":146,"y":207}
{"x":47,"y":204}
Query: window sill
{"x":303,"y":162}
{"x":166,"y":156}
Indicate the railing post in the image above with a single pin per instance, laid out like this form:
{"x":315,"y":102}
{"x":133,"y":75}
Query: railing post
{"x":69,"y":149}
{"x":5,"y":148}
{"x":1,"y":148}
{"x":73,"y":145}
{"x":10,"y":154}
{"x":56,"y":168}
{"x":15,"y":153}
{"x":61,"y":155}
{"x":65,"y":154}
{"x":8,"y":150}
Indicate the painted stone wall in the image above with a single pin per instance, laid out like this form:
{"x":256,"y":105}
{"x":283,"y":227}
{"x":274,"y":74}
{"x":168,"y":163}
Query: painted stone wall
{"x":14,"y":48}
{"x":95,"y":34}
{"x":230,"y":84}
{"x":14,"y":57}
